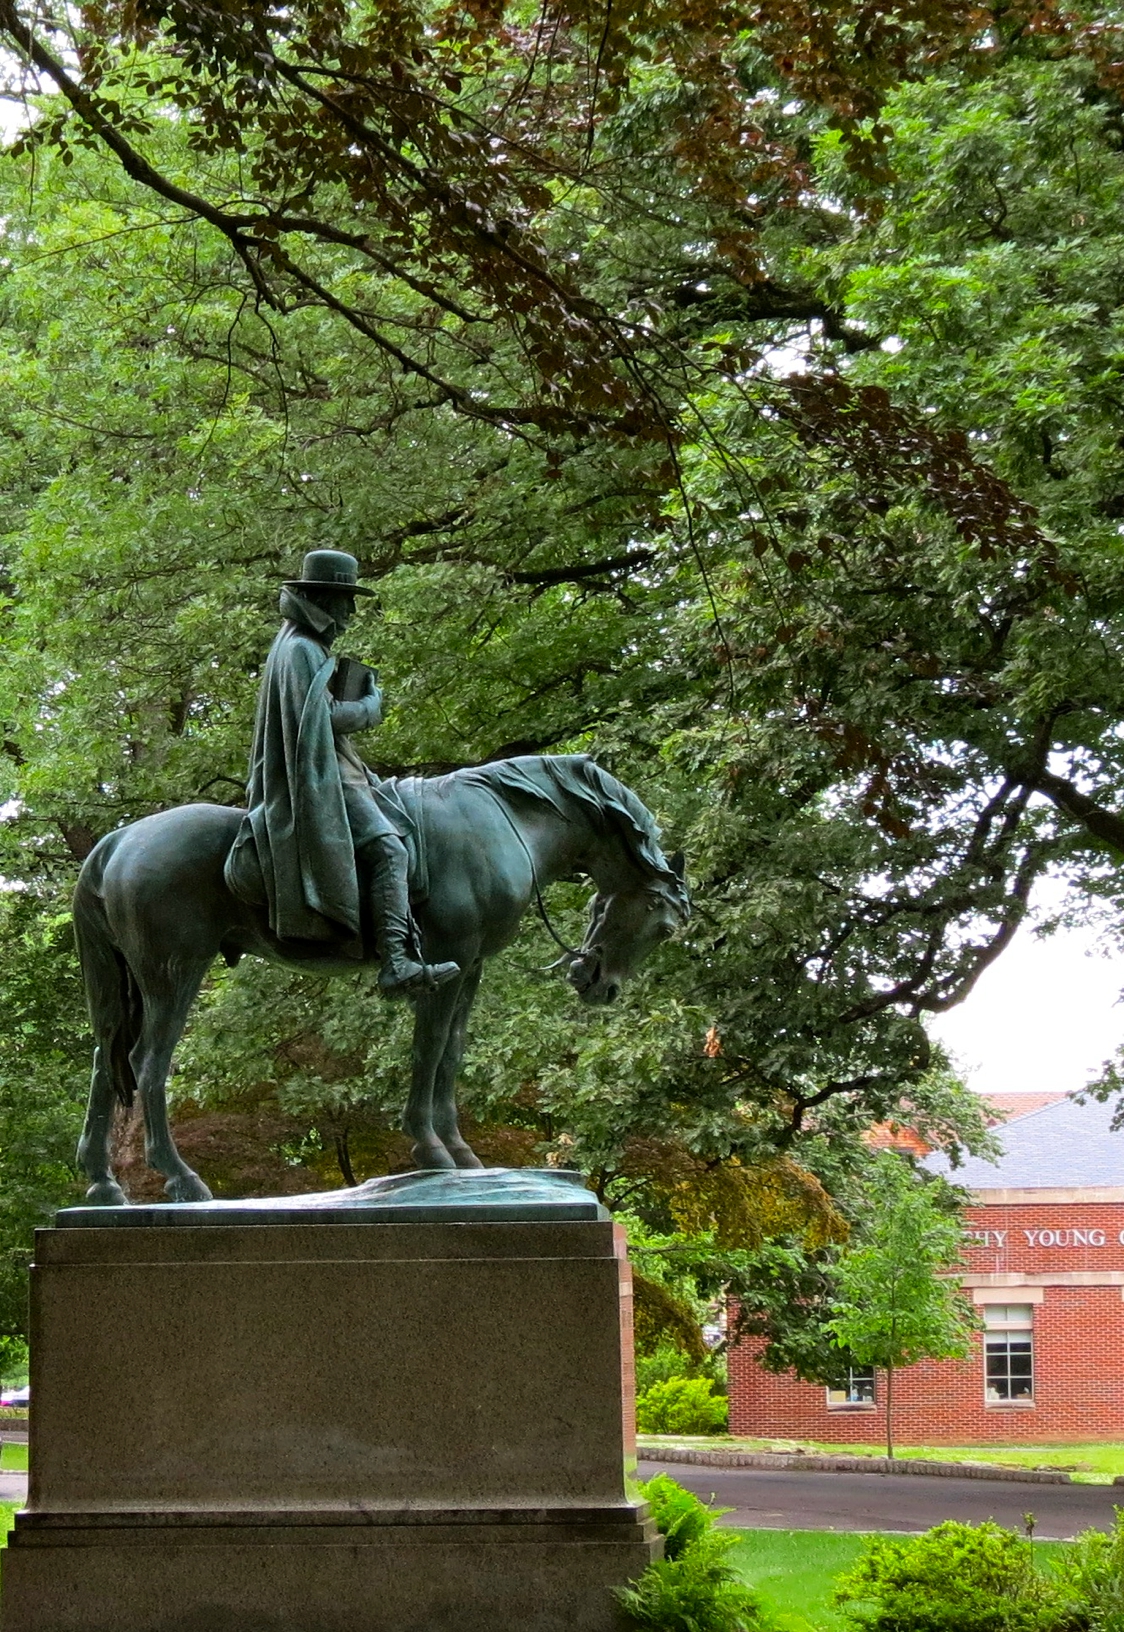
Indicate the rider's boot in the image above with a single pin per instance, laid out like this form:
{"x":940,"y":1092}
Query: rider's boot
{"x":402,"y":975}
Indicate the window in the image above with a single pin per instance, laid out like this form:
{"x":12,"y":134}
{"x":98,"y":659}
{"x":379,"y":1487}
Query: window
{"x":1009,"y":1353}
{"x":856,"y":1387}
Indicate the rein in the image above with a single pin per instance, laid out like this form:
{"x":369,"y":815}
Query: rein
{"x":550,"y":929}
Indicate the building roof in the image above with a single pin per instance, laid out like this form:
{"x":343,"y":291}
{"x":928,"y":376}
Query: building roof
{"x":1064,"y":1146}
{"x":1004,"y":1107}
{"x":892,"y":1136}
{"x":1001,"y":1107}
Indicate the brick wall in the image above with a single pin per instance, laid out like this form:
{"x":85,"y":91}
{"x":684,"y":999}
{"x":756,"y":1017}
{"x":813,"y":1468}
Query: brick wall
{"x":1078,"y":1352}
{"x":1046,"y":1239}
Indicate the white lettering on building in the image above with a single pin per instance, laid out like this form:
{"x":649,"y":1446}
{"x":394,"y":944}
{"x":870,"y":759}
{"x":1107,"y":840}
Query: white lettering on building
{"x":1067,"y":1238}
{"x":1076,"y":1236}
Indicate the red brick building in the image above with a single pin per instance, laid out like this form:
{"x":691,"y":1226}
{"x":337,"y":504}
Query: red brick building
{"x":1045,"y":1266}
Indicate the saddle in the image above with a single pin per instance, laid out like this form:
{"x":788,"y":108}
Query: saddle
{"x":399,"y":798}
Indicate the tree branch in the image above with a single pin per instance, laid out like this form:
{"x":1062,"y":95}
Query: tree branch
{"x":133,"y":163}
{"x":239,"y":229}
{"x":1104,"y":825}
{"x":760,"y":302}
{"x":577,"y":574}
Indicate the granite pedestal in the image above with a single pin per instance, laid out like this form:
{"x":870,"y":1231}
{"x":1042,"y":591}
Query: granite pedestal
{"x":342,"y":1424}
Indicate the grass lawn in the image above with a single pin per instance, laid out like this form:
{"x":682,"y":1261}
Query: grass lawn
{"x":13,"y":1457}
{"x":795,"y":1570}
{"x":8,"y":1512}
{"x":1089,"y":1464}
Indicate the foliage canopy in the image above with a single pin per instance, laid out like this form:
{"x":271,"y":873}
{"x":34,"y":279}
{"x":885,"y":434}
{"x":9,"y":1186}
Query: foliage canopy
{"x":734,"y":393}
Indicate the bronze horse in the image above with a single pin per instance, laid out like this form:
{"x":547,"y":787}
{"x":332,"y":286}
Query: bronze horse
{"x":152,"y":912}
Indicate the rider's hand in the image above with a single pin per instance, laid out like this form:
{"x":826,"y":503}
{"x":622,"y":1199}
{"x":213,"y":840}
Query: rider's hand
{"x":372,"y":683}
{"x":360,"y":715}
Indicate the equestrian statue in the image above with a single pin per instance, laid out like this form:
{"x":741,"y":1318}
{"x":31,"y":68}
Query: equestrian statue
{"x":331,"y":868}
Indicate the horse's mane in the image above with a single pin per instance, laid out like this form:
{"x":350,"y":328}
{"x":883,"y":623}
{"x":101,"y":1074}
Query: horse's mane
{"x":555,"y":779}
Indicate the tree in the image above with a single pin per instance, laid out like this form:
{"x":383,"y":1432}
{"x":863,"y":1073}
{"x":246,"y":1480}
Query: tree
{"x":460,"y":151}
{"x":813,"y":620}
{"x":44,"y":1070}
{"x":827,"y":622}
{"x":929,"y":720}
{"x":895,"y":1304}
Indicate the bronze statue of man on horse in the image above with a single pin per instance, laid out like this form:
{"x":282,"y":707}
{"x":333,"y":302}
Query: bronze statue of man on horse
{"x":313,"y":875}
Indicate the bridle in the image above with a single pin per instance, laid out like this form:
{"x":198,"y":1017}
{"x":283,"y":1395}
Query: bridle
{"x":550,"y":929}
{"x":576,"y":954}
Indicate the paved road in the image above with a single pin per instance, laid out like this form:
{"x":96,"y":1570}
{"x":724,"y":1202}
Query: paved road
{"x":768,"y":1499}
{"x":775,"y":1500}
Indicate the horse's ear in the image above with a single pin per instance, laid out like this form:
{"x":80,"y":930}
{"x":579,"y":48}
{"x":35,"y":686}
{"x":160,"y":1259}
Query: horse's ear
{"x":677,"y":863}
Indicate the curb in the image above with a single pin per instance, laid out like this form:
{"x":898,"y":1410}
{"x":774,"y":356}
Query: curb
{"x":848,"y":1464}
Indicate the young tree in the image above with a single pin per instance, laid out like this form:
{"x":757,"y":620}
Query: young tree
{"x":896,"y":1304}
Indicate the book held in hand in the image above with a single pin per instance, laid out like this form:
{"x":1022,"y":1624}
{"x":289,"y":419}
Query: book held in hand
{"x":351,"y":680}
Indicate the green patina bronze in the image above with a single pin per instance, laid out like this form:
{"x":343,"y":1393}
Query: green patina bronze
{"x":315,"y":840}
{"x":319,"y":872}
{"x":500,"y":1195}
{"x":293,"y":854}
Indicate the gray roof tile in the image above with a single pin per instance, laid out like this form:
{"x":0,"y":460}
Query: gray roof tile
{"x":1062,"y":1146}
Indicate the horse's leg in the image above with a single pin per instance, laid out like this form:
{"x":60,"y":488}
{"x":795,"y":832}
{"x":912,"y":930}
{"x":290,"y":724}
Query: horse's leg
{"x":445,"y":1078}
{"x":93,"y":1146}
{"x":433,"y":1018}
{"x":110,"y":995}
{"x":165,"y":1007}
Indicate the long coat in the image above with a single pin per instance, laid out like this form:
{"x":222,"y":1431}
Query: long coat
{"x":294,"y":852}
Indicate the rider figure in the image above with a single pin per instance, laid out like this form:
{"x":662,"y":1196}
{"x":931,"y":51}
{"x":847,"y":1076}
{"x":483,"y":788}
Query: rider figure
{"x":314,"y":838}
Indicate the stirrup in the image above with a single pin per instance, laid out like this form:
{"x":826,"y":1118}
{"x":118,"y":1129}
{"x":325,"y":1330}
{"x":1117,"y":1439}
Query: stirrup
{"x":402,"y":977}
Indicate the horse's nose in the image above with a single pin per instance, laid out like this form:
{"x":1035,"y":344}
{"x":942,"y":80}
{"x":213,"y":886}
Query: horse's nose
{"x":584,"y":972}
{"x":611,"y":991}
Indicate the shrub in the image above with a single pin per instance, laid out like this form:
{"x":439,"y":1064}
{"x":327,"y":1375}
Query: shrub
{"x":681,"y":1405}
{"x":681,"y":1518}
{"x":698,"y":1592}
{"x":693,"y":1588}
{"x":955,"y":1578}
{"x":666,"y":1362}
{"x":1090,"y":1574}
{"x":661,"y":1364}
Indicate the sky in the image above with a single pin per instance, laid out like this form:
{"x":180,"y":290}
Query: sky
{"x":1043,"y":1017}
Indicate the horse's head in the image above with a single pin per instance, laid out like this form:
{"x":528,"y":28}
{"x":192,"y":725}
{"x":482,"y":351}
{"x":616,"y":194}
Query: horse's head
{"x":624,"y":926}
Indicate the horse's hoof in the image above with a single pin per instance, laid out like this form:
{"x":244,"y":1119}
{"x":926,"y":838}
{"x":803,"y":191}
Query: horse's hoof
{"x":433,"y":1155}
{"x":462,"y":1154}
{"x":106,"y":1193}
{"x":187,"y":1187}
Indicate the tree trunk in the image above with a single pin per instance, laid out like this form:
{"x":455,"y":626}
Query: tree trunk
{"x":890,"y":1412}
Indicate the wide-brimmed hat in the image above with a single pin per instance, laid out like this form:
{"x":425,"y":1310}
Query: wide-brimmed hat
{"x":329,"y":569}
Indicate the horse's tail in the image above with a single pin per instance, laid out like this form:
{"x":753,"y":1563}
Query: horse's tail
{"x":112,"y":994}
